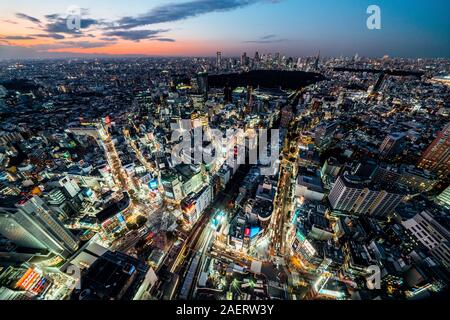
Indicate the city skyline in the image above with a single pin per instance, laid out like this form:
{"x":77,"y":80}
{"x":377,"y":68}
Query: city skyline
{"x":201,"y":27}
{"x":250,"y":152}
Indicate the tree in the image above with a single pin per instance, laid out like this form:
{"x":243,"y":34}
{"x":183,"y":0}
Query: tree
{"x":132,"y":226}
{"x":140,"y":221}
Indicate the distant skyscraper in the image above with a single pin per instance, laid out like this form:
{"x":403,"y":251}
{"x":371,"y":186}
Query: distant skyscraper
{"x":219,"y":60}
{"x":316,"y":62}
{"x":257,"y":58}
{"x":277,"y":57}
{"x":436,"y":157}
{"x":244,"y":59}
{"x":29,"y":223}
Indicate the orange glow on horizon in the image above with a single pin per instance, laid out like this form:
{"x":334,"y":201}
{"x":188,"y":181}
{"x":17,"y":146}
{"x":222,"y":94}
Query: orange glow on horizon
{"x":122,"y":47}
{"x":145,"y":48}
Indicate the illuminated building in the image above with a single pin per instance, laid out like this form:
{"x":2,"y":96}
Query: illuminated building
{"x":392,"y":144}
{"x":436,"y":157}
{"x":224,"y":175}
{"x":112,"y":218}
{"x":323,"y":134}
{"x":244,"y":231}
{"x":286,"y":116}
{"x":309,"y":187}
{"x":441,"y":79}
{"x":30,"y":224}
{"x":304,"y":248}
{"x":432,"y":234}
{"x":416,"y":179}
{"x":112,"y":276}
{"x":444,"y":197}
{"x":24,"y":283}
{"x":330,"y":287}
{"x":331,"y":168}
{"x":219,"y":60}
{"x":191,"y":178}
{"x":172,"y":186}
{"x":195,"y":204}
{"x":354,"y":195}
{"x":202,"y":81}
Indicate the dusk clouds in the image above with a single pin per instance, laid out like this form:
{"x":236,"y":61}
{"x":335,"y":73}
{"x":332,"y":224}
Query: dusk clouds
{"x":135,"y":35}
{"x":179,"y":11}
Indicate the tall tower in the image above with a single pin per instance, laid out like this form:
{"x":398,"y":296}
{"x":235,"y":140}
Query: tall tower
{"x":316,"y":63}
{"x":244,"y":59}
{"x":257,"y":57}
{"x":219,"y":60}
{"x":436,"y":157}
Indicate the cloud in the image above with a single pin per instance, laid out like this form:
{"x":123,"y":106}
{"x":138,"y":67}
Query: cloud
{"x":180,"y":11}
{"x":266,"y":41}
{"x":55,"y":25}
{"x":18,"y":38}
{"x":9,"y":21}
{"x":165,"y":39}
{"x":135,"y":35}
{"x":270,"y":38}
{"x":50,"y":35}
{"x":27,"y":17}
{"x":108,"y":39}
{"x":58,"y":24}
{"x":52,"y":16}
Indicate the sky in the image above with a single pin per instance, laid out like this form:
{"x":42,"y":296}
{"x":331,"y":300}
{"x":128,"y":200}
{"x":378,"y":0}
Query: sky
{"x":409,"y":28}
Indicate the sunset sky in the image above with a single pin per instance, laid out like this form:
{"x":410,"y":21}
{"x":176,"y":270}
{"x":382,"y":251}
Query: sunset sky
{"x":411,"y":28}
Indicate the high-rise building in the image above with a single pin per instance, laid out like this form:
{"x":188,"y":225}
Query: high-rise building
{"x":172,"y":186}
{"x":286,"y":116}
{"x":323,"y":133}
{"x":202,"y":80}
{"x":316,"y":62}
{"x":195,"y":204}
{"x":355,"y":195}
{"x":219,"y":60}
{"x":29,"y":223}
{"x":227,"y":94}
{"x":392,"y":144}
{"x":432,"y":234}
{"x":70,"y":186}
{"x":257,"y":57}
{"x":250,"y":96}
{"x":244,"y":60}
{"x":444,"y":197}
{"x":436,"y":157}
